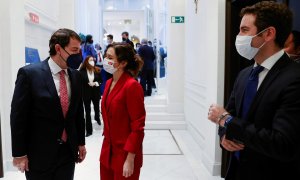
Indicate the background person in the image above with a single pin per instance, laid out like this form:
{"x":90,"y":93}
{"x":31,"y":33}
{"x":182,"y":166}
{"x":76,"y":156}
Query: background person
{"x":147,"y":54}
{"x":47,"y":123}
{"x":110,"y":39}
{"x":123,"y":113}
{"x":88,"y":48}
{"x":125,"y":38}
{"x":91,"y":80}
{"x":292,"y":46}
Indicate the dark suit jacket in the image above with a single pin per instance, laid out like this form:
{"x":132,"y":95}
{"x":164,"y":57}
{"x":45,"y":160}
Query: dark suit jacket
{"x":88,"y":91}
{"x":124,"y":116}
{"x":271,"y":130}
{"x":37,"y":120}
{"x":129,"y":42}
{"x":147,"y":54}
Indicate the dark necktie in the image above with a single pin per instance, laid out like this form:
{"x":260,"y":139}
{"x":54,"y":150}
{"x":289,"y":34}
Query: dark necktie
{"x":251,"y":89}
{"x":249,"y":94}
{"x":64,"y":99}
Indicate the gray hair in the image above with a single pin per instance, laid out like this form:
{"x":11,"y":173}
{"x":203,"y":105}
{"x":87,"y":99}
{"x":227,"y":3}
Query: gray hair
{"x":144,"y":41}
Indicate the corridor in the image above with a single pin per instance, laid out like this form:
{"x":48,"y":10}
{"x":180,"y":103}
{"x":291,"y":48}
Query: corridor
{"x":168,"y":155}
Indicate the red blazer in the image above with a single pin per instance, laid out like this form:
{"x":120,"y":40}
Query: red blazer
{"x":123,"y":113}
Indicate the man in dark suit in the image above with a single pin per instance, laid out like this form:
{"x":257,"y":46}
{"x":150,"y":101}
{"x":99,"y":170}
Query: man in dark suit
{"x":47,"y":123}
{"x":261,"y":129}
{"x":147,"y":54}
{"x":125,"y":38}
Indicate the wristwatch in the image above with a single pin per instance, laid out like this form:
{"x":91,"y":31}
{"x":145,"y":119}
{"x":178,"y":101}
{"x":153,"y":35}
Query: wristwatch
{"x":227,"y":121}
{"x":221,"y":117}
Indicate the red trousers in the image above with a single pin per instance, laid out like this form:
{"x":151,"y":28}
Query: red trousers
{"x":109,"y":174}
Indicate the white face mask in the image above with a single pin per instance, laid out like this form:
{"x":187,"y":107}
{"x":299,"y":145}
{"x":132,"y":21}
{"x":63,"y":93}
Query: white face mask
{"x":92,"y":63}
{"x":244,"y":48}
{"x":108,"y":66}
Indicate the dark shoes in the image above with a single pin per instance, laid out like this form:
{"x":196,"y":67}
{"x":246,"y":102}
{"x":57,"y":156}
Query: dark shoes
{"x":88,"y":134}
{"x":98,"y":122}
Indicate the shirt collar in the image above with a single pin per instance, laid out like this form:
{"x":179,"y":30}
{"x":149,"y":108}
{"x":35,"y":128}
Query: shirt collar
{"x":54,"y":68}
{"x":269,"y":63}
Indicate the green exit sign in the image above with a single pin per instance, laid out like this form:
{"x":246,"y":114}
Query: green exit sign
{"x":177,"y":19}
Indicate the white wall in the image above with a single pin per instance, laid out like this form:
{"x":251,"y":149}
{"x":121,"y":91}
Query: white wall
{"x":37,"y":35}
{"x":204,"y":74}
{"x":117,"y":26}
{"x":16,"y":32}
{"x":88,"y":18}
{"x":12,"y":43}
{"x":66,"y":14}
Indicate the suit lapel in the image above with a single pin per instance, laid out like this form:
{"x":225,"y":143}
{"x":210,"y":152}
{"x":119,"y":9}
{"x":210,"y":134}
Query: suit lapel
{"x":48,"y":79}
{"x":73,"y":86}
{"x":119,"y":85}
{"x":272,"y":74}
{"x":85,"y":76}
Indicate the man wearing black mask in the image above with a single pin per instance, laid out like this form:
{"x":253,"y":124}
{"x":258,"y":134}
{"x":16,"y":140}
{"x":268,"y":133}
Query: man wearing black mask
{"x":47,"y":122}
{"x":125,"y":38}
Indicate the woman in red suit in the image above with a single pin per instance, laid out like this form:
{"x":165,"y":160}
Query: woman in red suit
{"x":123,"y":114}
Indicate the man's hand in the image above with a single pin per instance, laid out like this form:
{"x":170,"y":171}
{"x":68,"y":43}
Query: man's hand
{"x":81,"y":154}
{"x":21,"y":163}
{"x":214,"y":113}
{"x":230,"y":145}
{"x":92,"y":84}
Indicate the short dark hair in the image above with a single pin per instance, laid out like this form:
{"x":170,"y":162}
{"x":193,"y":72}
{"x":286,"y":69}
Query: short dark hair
{"x":137,"y":44}
{"x":110,"y":36}
{"x":61,"y":37}
{"x":126,"y":33}
{"x":270,"y":13}
{"x":89,"y":38}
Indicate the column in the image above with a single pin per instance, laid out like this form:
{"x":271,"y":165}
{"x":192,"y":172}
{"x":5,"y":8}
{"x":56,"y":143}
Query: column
{"x":12,"y":53}
{"x":176,"y":51}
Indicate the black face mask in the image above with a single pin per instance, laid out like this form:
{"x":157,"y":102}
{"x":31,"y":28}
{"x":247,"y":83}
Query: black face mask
{"x":124,"y":39}
{"x":74,"y":60}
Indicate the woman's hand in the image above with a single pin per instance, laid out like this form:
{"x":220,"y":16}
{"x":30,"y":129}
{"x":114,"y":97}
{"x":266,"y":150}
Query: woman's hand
{"x":128,"y":166}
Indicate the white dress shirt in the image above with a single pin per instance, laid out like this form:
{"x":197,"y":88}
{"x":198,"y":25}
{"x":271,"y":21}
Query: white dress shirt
{"x":268,"y":64}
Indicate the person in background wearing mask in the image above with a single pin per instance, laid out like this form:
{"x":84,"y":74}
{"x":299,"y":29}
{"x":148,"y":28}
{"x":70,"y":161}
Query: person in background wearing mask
{"x":110,"y":39}
{"x":137,"y":46}
{"x":125,"y":39}
{"x":292,"y":46}
{"x":99,"y":55}
{"x":47,"y":123}
{"x":91,"y":80}
{"x":88,"y":48}
{"x":260,"y":124}
{"x":123,"y":113}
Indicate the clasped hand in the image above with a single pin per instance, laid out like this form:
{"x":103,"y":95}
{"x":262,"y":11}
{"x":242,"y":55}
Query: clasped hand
{"x":92,"y":84}
{"x":21,"y":163}
{"x":214,"y":112}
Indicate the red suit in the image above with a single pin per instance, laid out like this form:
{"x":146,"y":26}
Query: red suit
{"x":123,"y":115}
